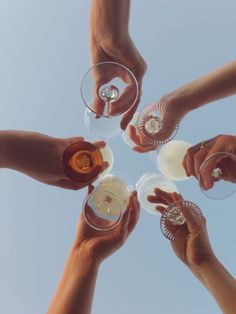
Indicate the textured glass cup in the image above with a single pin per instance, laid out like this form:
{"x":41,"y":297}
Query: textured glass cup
{"x":82,"y":162}
{"x":171,"y":219}
{"x":149,"y":125}
{"x":108,"y":90}
{"x":104,"y":206}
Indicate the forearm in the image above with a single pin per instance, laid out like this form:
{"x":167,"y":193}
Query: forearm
{"x":220,"y":284}
{"x":216,"y":85}
{"x":109,"y":18}
{"x":75,"y":291}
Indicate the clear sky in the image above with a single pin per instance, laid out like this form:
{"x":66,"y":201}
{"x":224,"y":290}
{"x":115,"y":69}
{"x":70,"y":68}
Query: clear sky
{"x":44,"y":53}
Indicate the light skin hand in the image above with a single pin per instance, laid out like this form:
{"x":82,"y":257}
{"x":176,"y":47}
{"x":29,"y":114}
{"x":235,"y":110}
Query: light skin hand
{"x":191,"y":243}
{"x":196,"y":155}
{"x":215,"y":85}
{"x":76,"y":288}
{"x":193,"y":248}
{"x":38,"y":156}
{"x":110,"y":42}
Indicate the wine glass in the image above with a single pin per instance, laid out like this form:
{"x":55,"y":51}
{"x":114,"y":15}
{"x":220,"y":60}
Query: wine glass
{"x":82,"y":162}
{"x":104,"y":206}
{"x":217,"y":176}
{"x":168,"y":159}
{"x":107,"y":100}
{"x":218,"y":168}
{"x":150,"y":126}
{"x":172,"y":218}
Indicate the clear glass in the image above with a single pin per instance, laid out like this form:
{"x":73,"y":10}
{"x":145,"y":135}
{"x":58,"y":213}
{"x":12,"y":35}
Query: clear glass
{"x":222,"y":176}
{"x":168,"y":159}
{"x":146,"y":186}
{"x":82,"y":162}
{"x":149,"y":126}
{"x":172,"y":221}
{"x":104,"y":207}
{"x":108,"y":90}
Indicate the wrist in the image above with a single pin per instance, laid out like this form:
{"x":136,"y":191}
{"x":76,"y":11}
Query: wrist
{"x":79,"y":255}
{"x":203,"y":270}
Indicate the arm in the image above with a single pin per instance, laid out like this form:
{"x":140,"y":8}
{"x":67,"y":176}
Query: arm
{"x":215,"y":85}
{"x":211,"y":87}
{"x":220,"y":283}
{"x":91,"y":247}
{"x":193,"y":248}
{"x":110,"y":42}
{"x":38,"y":156}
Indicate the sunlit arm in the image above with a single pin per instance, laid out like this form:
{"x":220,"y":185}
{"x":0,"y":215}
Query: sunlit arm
{"x":220,"y":284}
{"x":109,"y":18}
{"x":215,"y":85}
{"x":75,"y":292}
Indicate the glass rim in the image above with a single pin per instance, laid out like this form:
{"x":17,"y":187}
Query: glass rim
{"x":118,"y":64}
{"x":116,"y":222}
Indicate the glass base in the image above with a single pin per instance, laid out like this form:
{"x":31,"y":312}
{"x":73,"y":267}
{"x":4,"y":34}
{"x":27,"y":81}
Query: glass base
{"x":173,"y":223}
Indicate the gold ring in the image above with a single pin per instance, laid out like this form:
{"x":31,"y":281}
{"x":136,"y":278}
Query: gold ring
{"x":203,"y":145}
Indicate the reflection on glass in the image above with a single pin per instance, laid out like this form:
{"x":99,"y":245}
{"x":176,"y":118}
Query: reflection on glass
{"x":104,"y":207}
{"x":82,"y":162}
{"x":108,"y":90}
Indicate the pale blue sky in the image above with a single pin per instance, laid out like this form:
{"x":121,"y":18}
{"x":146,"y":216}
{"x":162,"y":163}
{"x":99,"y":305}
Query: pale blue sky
{"x":43,"y":55}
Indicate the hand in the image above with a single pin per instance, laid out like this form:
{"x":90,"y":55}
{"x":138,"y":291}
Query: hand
{"x":122,"y":50}
{"x":196,"y":155}
{"x":172,"y":113}
{"x":39,"y":156}
{"x":191,"y":244}
{"x":98,"y":245}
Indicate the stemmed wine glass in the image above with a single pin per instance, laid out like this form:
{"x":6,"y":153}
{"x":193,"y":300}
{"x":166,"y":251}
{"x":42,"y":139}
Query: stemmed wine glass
{"x":104,"y":207}
{"x":172,"y":218}
{"x":107,"y":100}
{"x":83,"y":162}
{"x":219,"y":169}
{"x":150,"y":126}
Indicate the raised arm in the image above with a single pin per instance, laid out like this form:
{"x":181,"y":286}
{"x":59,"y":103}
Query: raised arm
{"x":75,"y":291}
{"x":211,"y":87}
{"x":110,"y":42}
{"x":193,"y":248}
{"x":38,"y":156}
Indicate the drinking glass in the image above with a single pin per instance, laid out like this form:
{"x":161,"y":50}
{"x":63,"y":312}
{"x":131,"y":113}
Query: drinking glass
{"x":151,"y":127}
{"x":104,"y":206}
{"x":171,"y":219}
{"x":218,"y":168}
{"x":109,"y":98}
{"x":82,"y":162}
